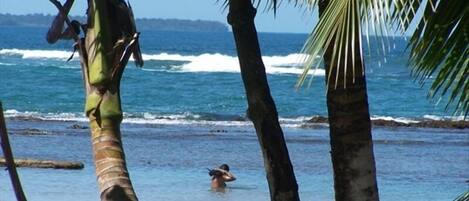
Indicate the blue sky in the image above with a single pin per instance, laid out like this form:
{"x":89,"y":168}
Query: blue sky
{"x":289,"y":19}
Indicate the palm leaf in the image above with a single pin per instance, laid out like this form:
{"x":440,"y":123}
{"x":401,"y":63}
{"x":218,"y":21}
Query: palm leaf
{"x":439,"y":45}
{"x":463,"y":197}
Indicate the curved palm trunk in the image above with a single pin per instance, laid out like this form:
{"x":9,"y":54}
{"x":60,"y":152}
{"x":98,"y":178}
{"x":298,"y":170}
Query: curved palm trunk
{"x":10,"y":162}
{"x":102,"y":74}
{"x":350,"y":127}
{"x":262,"y":110}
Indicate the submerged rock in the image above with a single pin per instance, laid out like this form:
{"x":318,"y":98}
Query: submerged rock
{"x":389,"y":123}
{"x":443,"y":124}
{"x":78,"y":126}
{"x":219,"y":131}
{"x":422,"y":123}
{"x":318,"y":119}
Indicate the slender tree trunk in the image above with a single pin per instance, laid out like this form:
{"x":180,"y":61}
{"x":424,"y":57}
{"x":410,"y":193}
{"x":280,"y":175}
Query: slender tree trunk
{"x":103,"y":104}
{"x":350,"y":126}
{"x":109,"y":41}
{"x":6,"y":148}
{"x":262,"y":110}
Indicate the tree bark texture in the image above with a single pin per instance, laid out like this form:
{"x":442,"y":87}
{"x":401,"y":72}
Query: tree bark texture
{"x":261,"y":106}
{"x":102,"y":73}
{"x":349,"y":124}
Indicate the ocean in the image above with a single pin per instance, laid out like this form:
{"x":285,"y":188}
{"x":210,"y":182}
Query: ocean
{"x":184,"y":111}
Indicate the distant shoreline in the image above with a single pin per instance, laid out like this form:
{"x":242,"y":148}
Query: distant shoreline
{"x":41,"y":20}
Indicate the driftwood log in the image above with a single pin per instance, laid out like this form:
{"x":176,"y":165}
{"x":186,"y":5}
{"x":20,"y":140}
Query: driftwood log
{"x":33,"y":163}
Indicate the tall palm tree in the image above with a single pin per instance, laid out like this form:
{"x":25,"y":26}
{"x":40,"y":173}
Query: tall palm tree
{"x":349,"y":118}
{"x":439,"y":44}
{"x":261,"y":106}
{"x":109,"y":41}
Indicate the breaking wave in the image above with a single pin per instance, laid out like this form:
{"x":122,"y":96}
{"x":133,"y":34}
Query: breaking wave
{"x":210,"y":119}
{"x":289,"y":64}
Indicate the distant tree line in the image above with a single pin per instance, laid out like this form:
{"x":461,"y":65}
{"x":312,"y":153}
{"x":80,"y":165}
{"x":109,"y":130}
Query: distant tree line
{"x":41,"y":20}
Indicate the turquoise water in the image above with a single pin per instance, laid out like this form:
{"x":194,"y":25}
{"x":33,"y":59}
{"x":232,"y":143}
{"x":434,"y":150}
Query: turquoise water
{"x":194,"y":76}
{"x":185,"y":112}
{"x":169,"y":162}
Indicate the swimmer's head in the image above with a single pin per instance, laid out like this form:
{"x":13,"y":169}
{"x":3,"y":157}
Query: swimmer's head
{"x":225,"y":167}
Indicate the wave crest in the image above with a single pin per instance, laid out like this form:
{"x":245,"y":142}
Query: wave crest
{"x":210,"y":119}
{"x":289,"y":64}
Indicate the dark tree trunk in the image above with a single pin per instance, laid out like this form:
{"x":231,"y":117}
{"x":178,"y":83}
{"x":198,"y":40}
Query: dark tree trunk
{"x":6,"y":148}
{"x":350,"y":126}
{"x":262,"y":110}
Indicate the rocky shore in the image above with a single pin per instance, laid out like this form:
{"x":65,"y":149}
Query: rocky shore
{"x":417,"y":123}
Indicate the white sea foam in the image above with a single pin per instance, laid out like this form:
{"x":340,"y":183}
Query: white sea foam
{"x":416,"y":120}
{"x":147,"y":118}
{"x":37,"y":54}
{"x":438,"y":118}
{"x":395,"y":119}
{"x":289,"y":64}
{"x":6,"y":64}
{"x":45,"y":116}
{"x":194,"y":119}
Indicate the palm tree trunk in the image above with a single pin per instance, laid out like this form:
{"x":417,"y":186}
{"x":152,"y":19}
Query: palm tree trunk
{"x":10,"y":162}
{"x":113,"y":177}
{"x":261,"y":107}
{"x":350,"y":126}
{"x":103,"y":105}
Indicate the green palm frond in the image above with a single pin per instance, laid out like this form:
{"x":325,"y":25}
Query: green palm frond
{"x":336,"y":27}
{"x":439,"y":45}
{"x":463,"y":197}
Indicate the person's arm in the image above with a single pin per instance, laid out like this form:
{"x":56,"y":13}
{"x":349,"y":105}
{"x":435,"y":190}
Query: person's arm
{"x":227,"y":176}
{"x":215,"y":172}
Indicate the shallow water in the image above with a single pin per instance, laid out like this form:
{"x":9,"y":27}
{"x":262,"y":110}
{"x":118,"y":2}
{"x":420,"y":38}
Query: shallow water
{"x":168,"y":162}
{"x":185,"y":112}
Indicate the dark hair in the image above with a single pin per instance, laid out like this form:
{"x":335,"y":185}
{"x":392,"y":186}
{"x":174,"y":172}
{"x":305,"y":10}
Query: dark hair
{"x":216,"y":173}
{"x":225,"y":167}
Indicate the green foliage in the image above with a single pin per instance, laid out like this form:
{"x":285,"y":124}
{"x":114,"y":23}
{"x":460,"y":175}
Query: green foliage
{"x":98,"y":41}
{"x":463,"y":197}
{"x":110,"y":107}
{"x":92,"y":101}
{"x":439,"y":45}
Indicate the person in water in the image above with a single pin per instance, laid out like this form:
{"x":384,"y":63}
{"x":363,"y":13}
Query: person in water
{"x":221,"y":175}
